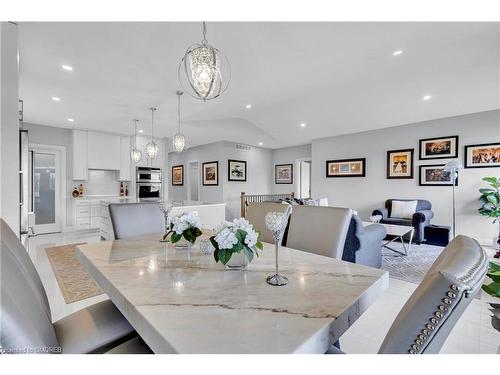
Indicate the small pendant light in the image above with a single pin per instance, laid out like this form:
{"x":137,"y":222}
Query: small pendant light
{"x":179,"y":140}
{"x":135,"y":154}
{"x":152,"y":149}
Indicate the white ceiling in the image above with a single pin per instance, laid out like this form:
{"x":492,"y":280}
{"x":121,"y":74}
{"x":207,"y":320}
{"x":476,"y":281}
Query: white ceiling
{"x":337,"y":77}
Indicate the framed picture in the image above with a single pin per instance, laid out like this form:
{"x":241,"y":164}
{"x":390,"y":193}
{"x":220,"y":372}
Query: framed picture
{"x":283,"y":174}
{"x":434,"y":175}
{"x":236,"y":170}
{"x":346,"y":168}
{"x":400,"y":163}
{"x":211,"y":173}
{"x":485,"y":155}
{"x":177,"y":175}
{"x":439,"y":148}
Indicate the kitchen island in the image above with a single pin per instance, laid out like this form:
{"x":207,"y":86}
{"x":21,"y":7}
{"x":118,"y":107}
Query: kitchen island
{"x":211,"y":214}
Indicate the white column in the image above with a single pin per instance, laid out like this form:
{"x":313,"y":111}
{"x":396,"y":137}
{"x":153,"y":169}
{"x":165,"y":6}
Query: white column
{"x":9,"y":127}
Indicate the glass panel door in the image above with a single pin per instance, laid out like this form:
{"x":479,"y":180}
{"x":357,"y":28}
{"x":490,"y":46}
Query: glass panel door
{"x":46,"y":191}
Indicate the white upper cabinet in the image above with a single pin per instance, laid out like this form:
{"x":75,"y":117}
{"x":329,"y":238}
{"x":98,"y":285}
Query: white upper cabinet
{"x":80,"y":166}
{"x":125,"y":163}
{"x":104,"y":151}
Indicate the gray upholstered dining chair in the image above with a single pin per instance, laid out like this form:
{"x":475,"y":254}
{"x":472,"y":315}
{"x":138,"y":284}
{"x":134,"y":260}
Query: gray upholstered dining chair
{"x":431,"y":312}
{"x":256,"y":215}
{"x":319,"y":230}
{"x":136,"y":219}
{"x":25,"y":317}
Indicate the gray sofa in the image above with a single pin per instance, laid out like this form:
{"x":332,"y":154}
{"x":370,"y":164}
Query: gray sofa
{"x":363,"y":245}
{"x":419,"y":221}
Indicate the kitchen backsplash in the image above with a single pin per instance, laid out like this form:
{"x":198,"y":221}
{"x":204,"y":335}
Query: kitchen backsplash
{"x":101,"y":182}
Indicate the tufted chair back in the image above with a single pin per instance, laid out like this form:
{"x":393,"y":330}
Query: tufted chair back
{"x":422,"y":204}
{"x":425,"y":321}
{"x":25,"y":314}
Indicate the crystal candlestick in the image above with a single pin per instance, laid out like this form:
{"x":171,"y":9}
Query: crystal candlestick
{"x":165,"y":207}
{"x":276,"y":222}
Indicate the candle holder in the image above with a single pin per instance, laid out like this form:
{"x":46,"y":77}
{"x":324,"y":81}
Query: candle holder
{"x":276,"y":222}
{"x":165,"y":207}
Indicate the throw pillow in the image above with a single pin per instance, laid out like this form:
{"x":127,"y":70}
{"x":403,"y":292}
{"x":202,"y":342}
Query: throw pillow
{"x":403,"y":209}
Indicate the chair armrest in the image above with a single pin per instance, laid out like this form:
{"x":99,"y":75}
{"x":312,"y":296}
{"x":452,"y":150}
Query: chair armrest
{"x":374,"y":232}
{"x":422,"y":216}
{"x":384,"y":212}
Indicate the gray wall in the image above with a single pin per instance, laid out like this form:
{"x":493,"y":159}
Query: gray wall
{"x":365,"y":194}
{"x":259,"y":174}
{"x":9,"y":129}
{"x":290,"y":155}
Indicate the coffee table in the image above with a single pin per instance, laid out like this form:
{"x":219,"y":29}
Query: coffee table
{"x":398,"y":232}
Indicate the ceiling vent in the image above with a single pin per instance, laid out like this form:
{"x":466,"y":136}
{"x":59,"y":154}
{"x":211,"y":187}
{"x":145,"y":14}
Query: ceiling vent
{"x":243,"y":147}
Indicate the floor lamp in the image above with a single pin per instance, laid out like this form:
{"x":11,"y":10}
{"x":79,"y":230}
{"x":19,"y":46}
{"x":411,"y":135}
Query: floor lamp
{"x":453,"y":167}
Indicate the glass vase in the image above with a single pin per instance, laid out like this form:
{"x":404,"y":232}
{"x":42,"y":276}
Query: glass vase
{"x":238,"y":261}
{"x":183,"y":244}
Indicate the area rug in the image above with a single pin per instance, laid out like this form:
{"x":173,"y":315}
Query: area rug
{"x":411,"y":268}
{"x":75,"y":283}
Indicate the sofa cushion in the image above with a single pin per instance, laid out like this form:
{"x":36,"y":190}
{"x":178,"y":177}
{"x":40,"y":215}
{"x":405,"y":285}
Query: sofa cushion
{"x":397,"y":221}
{"x":403,"y":209}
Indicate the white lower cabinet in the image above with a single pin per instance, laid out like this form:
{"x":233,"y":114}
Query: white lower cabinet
{"x":87,"y":214}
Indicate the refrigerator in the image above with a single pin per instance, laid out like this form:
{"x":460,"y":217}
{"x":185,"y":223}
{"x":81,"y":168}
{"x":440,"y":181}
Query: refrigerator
{"x":27,"y":221}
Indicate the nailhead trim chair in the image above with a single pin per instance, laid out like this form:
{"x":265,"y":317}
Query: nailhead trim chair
{"x":136,"y":219}
{"x":431,"y":312}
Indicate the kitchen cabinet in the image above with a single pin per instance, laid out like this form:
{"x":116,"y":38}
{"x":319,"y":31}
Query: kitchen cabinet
{"x":80,"y":165}
{"x":87,"y":214}
{"x":125,"y":163}
{"x":103,"y":151}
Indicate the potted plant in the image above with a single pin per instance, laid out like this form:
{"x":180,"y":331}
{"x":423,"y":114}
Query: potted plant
{"x":493,"y":289}
{"x":490,"y":206}
{"x":235,"y":244}
{"x":184,"y":229}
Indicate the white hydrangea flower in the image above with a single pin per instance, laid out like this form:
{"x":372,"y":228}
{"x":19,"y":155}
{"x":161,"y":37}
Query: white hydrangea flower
{"x":226,"y":239}
{"x":185,"y":221}
{"x":242,"y":223}
{"x":251,"y":238}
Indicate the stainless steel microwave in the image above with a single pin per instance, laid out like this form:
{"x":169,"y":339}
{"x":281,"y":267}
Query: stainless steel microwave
{"x":148,"y":174}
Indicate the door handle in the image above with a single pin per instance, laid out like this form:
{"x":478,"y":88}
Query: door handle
{"x":21,"y":188}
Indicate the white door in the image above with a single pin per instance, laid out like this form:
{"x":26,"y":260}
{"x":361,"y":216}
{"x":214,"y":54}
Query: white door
{"x":46,"y":190}
{"x":305,"y":179}
{"x":193,"y":181}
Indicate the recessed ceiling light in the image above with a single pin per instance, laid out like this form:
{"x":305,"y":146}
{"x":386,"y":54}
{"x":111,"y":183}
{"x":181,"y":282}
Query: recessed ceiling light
{"x":303,"y":124}
{"x":56,"y":99}
{"x":397,"y":53}
{"x":427,"y":97}
{"x":71,"y":120}
{"x":260,"y":143}
{"x":140,"y":131}
{"x":67,"y":67}
{"x":248,"y":106}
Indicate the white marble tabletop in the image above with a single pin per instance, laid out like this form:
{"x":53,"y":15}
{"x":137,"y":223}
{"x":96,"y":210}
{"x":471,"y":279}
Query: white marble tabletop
{"x":181,"y":301}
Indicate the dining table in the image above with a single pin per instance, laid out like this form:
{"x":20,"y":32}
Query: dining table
{"x":182,"y":301}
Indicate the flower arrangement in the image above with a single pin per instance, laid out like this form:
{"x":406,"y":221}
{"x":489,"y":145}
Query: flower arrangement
{"x":186,"y":225}
{"x":235,"y":237}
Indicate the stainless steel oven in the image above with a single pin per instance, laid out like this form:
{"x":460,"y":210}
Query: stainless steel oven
{"x":147,"y":191}
{"x":148,"y":174}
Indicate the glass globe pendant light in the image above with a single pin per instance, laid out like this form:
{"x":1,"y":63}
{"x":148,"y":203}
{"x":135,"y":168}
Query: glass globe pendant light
{"x":152,"y":149}
{"x":135,"y":154}
{"x":204,"y":71}
{"x":179,"y":141}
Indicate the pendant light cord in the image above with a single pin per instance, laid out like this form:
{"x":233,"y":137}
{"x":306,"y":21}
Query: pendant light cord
{"x":135,"y":133}
{"x":204,"y":41}
{"x":153,"y":109}
{"x":178,"y":113}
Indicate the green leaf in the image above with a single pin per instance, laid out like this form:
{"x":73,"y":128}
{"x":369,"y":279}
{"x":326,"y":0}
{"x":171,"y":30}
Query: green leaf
{"x":188,"y":235}
{"x":486,"y":190}
{"x":240,"y":235}
{"x":492,"y":289}
{"x":248,"y":253}
{"x":214,"y":243}
{"x":259,"y":245}
{"x":197,"y":232}
{"x":224,"y":256}
{"x":494,"y":267}
{"x":175,"y":237}
{"x":216,"y":255}
{"x":492,"y":199}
